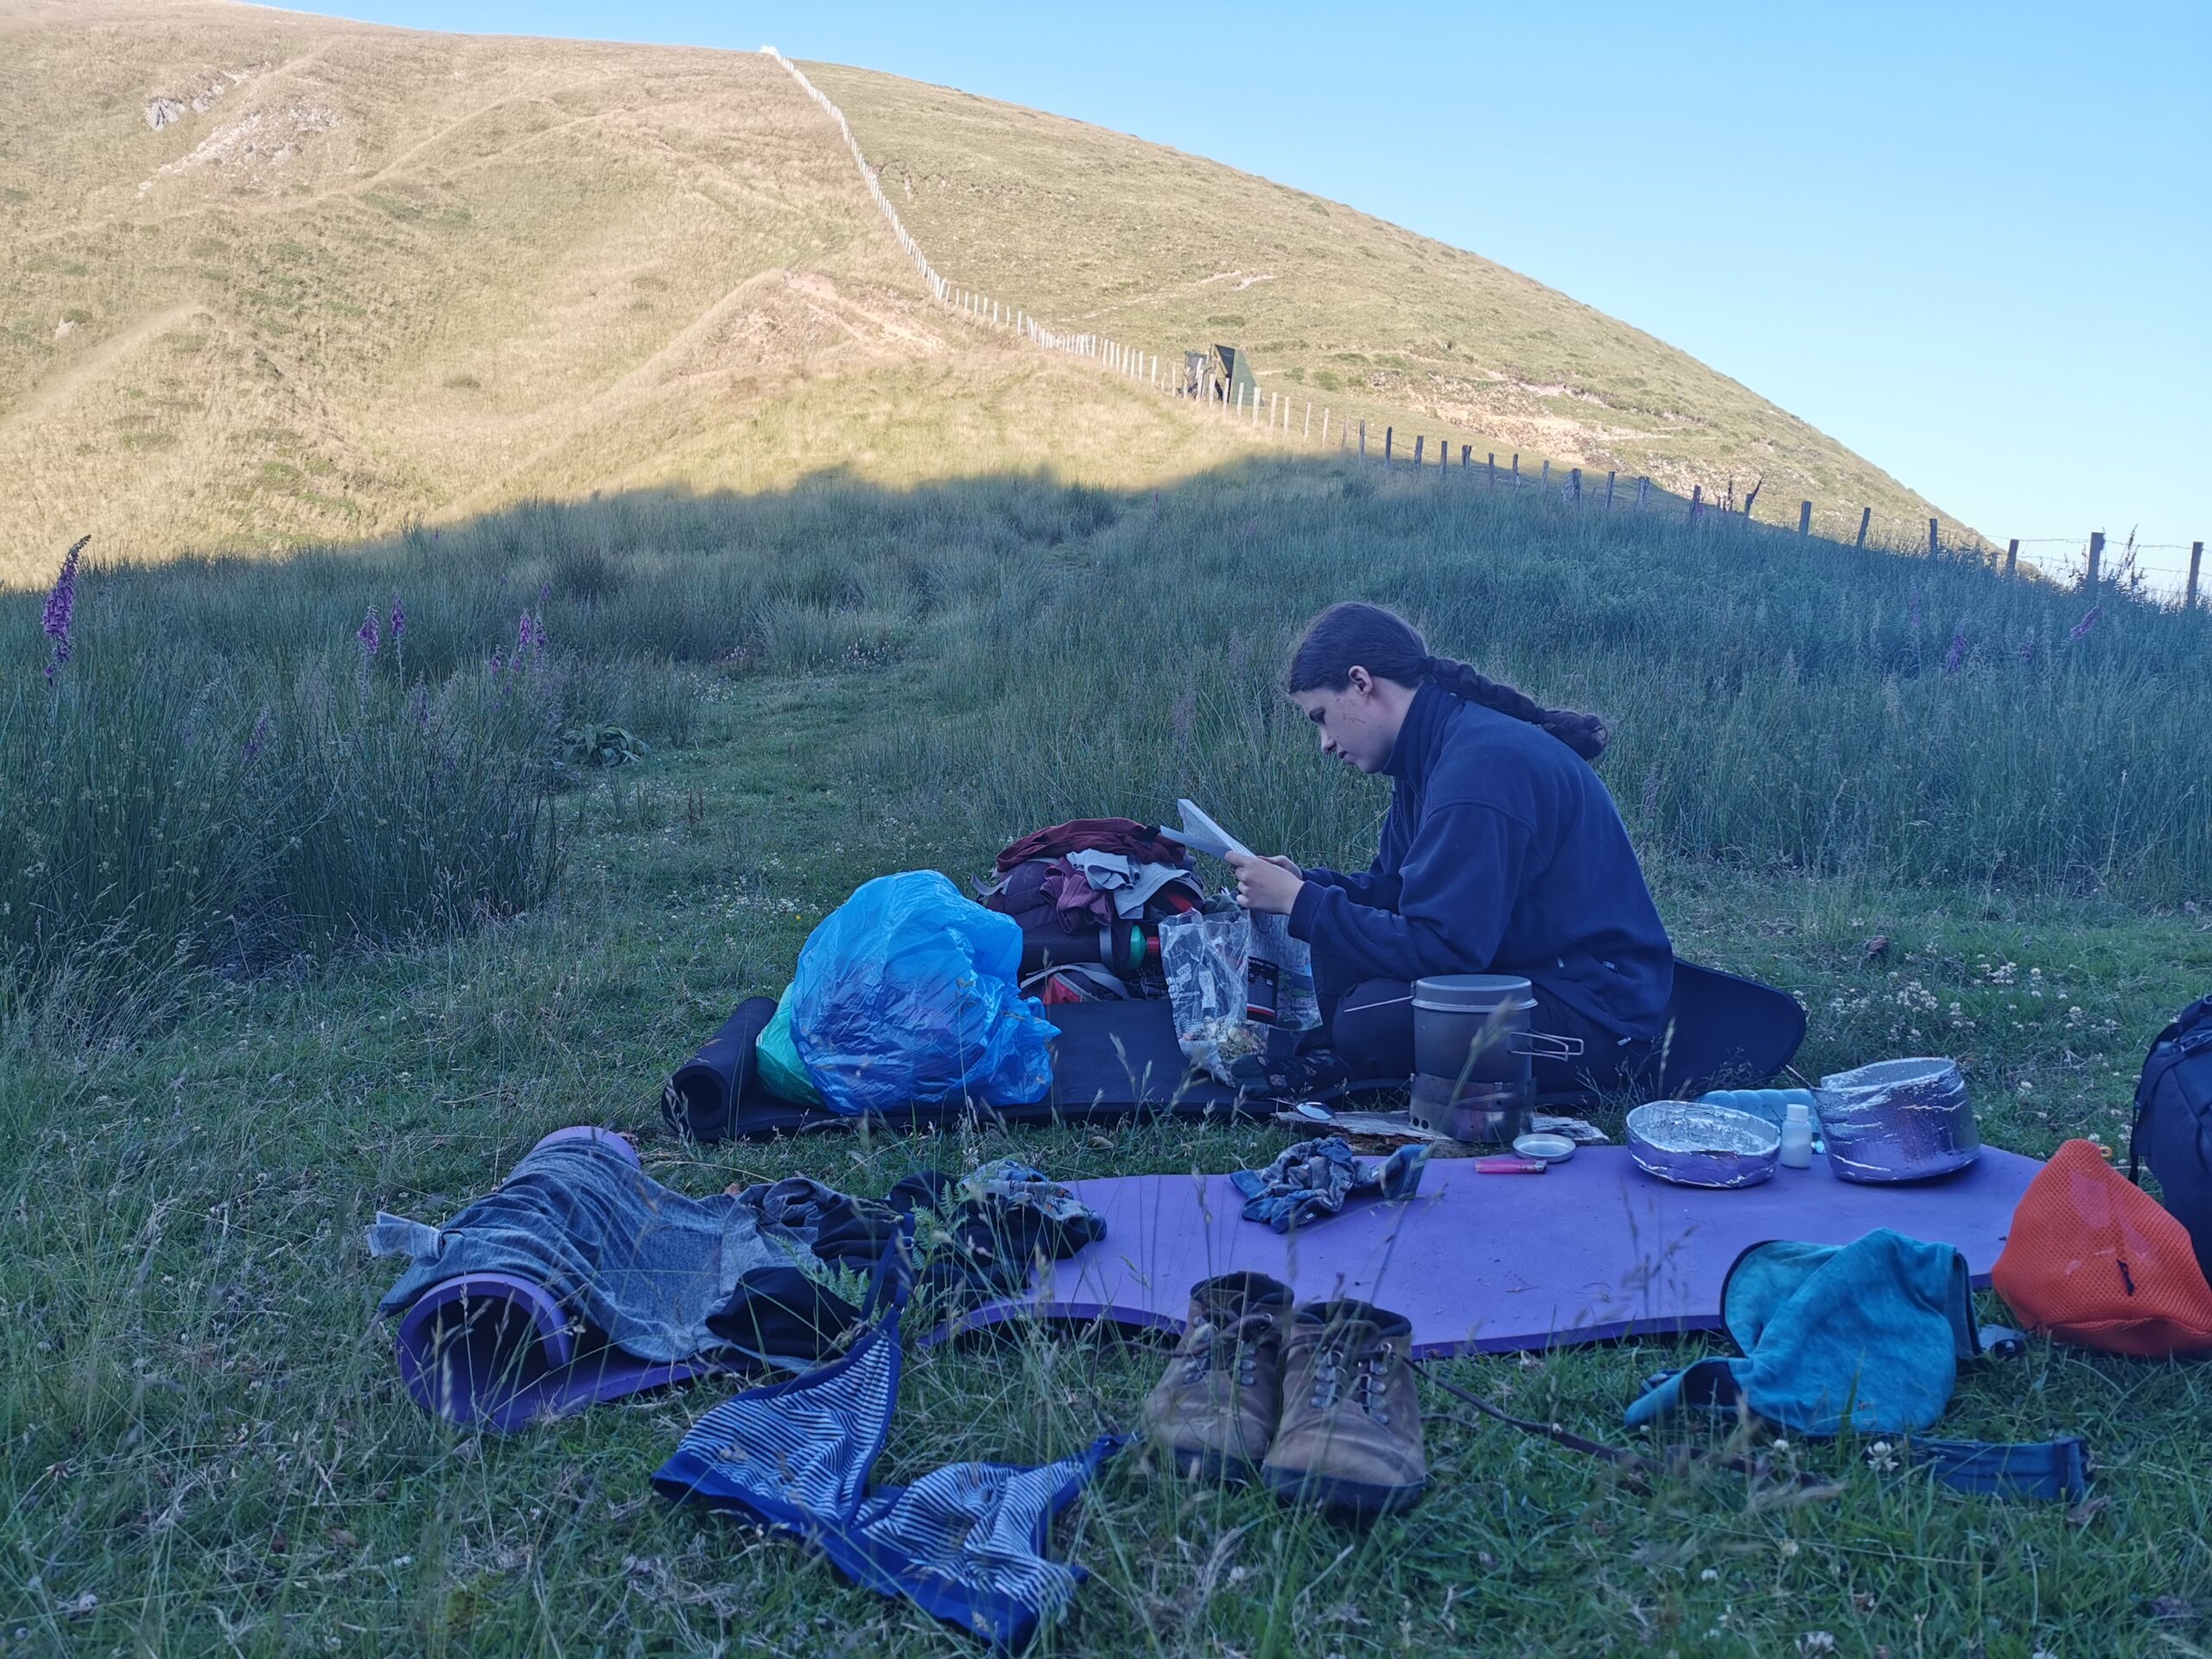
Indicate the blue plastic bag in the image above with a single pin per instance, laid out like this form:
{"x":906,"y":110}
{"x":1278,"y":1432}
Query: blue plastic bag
{"x":907,"y":995}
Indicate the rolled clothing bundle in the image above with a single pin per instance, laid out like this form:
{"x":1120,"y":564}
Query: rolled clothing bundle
{"x":644,"y":1265}
{"x":702,"y":1099}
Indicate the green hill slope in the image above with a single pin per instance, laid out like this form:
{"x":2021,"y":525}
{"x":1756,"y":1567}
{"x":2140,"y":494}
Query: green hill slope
{"x":1096,"y":230}
{"x":282,"y":278}
{"x":273,"y":278}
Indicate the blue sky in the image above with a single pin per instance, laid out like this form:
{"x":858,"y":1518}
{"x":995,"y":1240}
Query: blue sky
{"x":1971,"y":242}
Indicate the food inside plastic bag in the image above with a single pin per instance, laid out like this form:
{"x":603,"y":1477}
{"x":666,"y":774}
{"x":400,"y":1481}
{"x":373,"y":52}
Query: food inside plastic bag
{"x":906,"y":994}
{"x":1206,"y":958}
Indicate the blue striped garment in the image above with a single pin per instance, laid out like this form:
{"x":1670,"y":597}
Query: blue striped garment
{"x":966,"y":1542}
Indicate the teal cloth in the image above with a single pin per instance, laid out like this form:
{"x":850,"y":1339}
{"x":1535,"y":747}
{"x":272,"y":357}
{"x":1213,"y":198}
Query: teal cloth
{"x":1865,"y":1336}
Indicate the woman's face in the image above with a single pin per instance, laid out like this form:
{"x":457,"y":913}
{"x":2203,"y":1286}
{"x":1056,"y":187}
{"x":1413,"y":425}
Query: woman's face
{"x":1359,"y":724}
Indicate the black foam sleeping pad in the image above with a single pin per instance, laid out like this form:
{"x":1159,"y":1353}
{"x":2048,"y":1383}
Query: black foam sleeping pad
{"x":1111,"y":1060}
{"x":702,"y":1101}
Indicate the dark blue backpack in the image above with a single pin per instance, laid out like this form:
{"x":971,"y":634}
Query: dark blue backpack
{"x":2173,"y":1123}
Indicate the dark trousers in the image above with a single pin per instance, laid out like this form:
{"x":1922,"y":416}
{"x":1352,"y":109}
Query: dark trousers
{"x":1370,"y":1025}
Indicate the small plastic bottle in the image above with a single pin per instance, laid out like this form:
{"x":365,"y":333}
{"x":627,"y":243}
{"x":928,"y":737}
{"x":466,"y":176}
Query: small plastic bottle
{"x":1797,"y":1135}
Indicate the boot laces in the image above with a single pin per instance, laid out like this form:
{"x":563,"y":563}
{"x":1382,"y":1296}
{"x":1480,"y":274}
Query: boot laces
{"x":1338,"y":1371}
{"x":1215,"y":1347}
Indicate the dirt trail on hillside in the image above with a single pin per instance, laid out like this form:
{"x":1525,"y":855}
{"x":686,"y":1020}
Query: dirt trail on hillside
{"x":43,"y":395}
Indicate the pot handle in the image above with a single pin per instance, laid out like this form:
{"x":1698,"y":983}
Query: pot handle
{"x":1545,"y":1045}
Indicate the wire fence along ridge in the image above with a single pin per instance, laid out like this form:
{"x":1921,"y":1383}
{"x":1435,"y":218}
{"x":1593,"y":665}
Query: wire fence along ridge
{"x":1279,"y":414}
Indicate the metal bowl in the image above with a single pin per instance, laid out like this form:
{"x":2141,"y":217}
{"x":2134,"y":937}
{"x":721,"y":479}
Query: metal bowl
{"x":1898,"y":1121}
{"x":1693,"y":1144}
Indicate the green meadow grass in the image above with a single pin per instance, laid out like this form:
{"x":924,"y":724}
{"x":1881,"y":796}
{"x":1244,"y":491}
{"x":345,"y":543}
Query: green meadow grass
{"x":208,"y":1447}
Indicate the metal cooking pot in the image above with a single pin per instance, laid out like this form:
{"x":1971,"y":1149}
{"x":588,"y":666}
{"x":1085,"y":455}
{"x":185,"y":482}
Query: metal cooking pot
{"x":1473,"y":1055}
{"x":1898,"y":1121}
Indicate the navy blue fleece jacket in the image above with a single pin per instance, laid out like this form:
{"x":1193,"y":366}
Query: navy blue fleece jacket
{"x":1502,"y":854}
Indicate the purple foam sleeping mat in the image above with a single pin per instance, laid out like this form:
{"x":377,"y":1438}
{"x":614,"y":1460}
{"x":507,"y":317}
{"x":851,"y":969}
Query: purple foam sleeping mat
{"x":1591,"y":1249}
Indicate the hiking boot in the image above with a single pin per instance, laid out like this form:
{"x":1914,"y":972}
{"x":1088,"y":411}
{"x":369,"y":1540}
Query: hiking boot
{"x":1215,"y":1410}
{"x":1349,"y":1438}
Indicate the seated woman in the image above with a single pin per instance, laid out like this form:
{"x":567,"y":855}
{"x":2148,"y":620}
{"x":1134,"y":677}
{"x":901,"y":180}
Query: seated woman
{"x":1502,"y":854}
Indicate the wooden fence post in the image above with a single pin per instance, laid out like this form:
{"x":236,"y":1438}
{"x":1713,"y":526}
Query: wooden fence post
{"x":1516,"y":472}
{"x":1240,"y":402}
{"x":1466,"y":450}
{"x":1417,"y":444}
{"x":1642,"y":492}
{"x":2195,"y":562}
{"x":1804,"y":517}
{"x":1493,"y":469}
{"x":1389,"y":434}
{"x":1866,"y":518}
{"x":2096,"y":556}
{"x":1545,"y":483}
{"x":1609,"y":492}
{"x":1574,"y":485}
{"x":1363,"y":437}
{"x":1934,"y":546}
{"x":1697,"y":501}
{"x":1309,"y":420}
{"x":2012,"y":558}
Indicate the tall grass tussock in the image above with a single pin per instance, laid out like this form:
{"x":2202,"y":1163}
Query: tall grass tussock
{"x":238,"y":761}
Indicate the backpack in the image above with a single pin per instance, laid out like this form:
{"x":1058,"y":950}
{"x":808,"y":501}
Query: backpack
{"x":2173,"y":1122}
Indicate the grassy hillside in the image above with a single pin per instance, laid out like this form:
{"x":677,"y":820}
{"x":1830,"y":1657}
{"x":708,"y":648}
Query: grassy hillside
{"x":273,"y":278}
{"x":1097,"y":232}
{"x":357,"y":275}
{"x":208,"y":1450}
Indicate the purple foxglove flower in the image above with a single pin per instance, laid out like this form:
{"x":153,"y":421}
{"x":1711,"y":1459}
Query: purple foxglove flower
{"x":61,"y":608}
{"x":497,"y":662}
{"x":525,"y":634}
{"x":1957,"y":654}
{"x":367,"y":635}
{"x":398,"y":620}
{"x":2080,"y":630}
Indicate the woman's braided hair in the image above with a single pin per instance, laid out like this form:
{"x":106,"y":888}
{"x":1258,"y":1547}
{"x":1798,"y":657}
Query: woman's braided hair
{"x":1355,"y":635}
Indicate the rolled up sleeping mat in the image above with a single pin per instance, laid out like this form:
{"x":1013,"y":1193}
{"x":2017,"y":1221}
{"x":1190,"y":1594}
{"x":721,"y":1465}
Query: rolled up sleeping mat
{"x":701,"y":1100}
{"x":1047,"y":944}
{"x":498,"y":1350}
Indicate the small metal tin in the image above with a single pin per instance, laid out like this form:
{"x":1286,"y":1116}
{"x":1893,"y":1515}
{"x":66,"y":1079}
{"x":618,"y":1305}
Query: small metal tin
{"x":1693,"y":1144}
{"x":1898,"y":1121}
{"x":1552,"y":1149}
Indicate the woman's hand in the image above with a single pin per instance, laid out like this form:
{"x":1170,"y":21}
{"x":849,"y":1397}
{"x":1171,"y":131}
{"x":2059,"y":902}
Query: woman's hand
{"x":1269,"y":886}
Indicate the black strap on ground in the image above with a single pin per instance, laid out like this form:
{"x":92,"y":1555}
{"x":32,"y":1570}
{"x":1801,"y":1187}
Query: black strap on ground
{"x":1635,"y":1462}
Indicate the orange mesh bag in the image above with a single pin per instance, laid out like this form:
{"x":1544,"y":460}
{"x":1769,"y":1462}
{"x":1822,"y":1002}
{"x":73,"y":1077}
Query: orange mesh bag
{"x":2093,"y":1258}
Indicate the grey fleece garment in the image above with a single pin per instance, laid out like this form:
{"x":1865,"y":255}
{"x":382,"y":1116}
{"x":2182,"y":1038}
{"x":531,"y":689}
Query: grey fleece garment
{"x":644,"y":1263}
